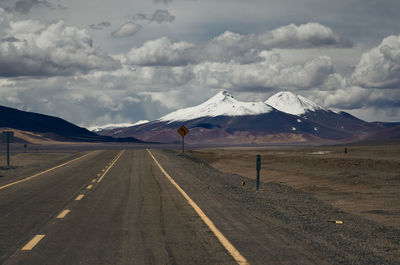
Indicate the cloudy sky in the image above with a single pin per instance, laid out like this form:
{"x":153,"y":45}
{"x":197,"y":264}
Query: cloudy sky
{"x":99,"y":62}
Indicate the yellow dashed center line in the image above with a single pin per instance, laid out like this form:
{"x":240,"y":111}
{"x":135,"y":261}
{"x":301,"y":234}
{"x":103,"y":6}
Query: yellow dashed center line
{"x":112,"y":164}
{"x":94,"y":180}
{"x":79,"y":197}
{"x":41,"y":173}
{"x":63,"y":214}
{"x":224,"y":241}
{"x":31,"y":244}
{"x":89,"y":187}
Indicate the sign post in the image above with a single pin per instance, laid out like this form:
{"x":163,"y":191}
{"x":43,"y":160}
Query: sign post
{"x":8,"y":137}
{"x":183,"y":131}
{"x":258,"y":171}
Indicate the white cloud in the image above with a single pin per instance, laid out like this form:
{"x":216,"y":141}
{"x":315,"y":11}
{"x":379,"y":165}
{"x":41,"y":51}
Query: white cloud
{"x":127,"y":30}
{"x":271,"y":73}
{"x":303,"y":36}
{"x":380,"y":67}
{"x":230,"y":46}
{"x":161,"y":52}
{"x":36,"y":49}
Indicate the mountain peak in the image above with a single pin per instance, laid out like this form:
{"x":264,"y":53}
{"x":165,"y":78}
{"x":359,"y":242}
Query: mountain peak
{"x":291,"y":103}
{"x":222,"y":104}
{"x":222,"y":96}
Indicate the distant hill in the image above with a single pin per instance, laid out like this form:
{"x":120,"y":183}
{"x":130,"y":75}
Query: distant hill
{"x":47,"y":128}
{"x":283,"y":118}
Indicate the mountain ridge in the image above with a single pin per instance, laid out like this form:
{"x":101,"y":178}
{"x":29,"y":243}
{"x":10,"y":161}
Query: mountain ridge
{"x":50,"y":127}
{"x":224,"y":120}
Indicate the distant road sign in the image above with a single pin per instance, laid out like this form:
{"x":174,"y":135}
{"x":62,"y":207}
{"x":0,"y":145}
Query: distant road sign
{"x":183,"y":130}
{"x":8,"y":137}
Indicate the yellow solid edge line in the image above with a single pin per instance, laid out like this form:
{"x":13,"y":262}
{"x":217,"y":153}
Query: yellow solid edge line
{"x":31,"y":244}
{"x":41,"y":173}
{"x":79,"y":197}
{"x":224,"y":241}
{"x":89,"y":187}
{"x":115,"y":160}
{"x":63,"y":214}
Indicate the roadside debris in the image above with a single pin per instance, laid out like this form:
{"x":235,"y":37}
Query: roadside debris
{"x":335,"y":221}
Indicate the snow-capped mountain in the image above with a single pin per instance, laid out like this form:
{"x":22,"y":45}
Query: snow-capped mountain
{"x":222,"y":104}
{"x":293,"y":104}
{"x":112,"y":126}
{"x":283,"y":118}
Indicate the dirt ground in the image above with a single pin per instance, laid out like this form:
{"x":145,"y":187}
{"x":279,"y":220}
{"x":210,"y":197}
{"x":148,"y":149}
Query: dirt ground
{"x":364,"y":181}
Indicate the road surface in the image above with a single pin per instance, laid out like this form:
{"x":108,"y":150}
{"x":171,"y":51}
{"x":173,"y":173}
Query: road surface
{"x":139,"y":207}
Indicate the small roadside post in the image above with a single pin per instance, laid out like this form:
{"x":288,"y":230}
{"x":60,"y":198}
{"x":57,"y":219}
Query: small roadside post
{"x":8,"y":137}
{"x":258,"y":171}
{"x":183,"y":131}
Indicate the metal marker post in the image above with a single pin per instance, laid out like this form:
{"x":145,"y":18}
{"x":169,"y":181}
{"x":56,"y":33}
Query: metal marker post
{"x":183,"y":144}
{"x":258,"y":171}
{"x":8,"y":150}
{"x":8,"y":137}
{"x":183,"y":131}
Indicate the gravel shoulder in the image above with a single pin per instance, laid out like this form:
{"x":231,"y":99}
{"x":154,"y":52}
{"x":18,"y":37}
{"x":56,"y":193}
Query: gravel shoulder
{"x":284,"y":225}
{"x":364,"y":181}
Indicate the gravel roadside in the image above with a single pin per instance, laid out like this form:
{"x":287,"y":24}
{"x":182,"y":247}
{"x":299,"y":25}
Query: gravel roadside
{"x":299,"y":216}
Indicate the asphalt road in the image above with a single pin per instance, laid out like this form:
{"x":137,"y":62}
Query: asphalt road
{"x":132,"y":216}
{"x":120,"y":207}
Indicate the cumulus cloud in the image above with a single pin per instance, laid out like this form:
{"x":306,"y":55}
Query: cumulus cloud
{"x":127,"y":30}
{"x":101,"y":25}
{"x":98,"y":97}
{"x":160,"y":16}
{"x":269,"y":74}
{"x":25,"y":6}
{"x":242,"y":49}
{"x":161,"y":52}
{"x":35,"y":49}
{"x":308,"y":35}
{"x":380,"y":67}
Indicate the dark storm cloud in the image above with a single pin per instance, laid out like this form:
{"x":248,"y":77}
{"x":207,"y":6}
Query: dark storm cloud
{"x":100,"y":26}
{"x":160,"y":16}
{"x":24,"y":6}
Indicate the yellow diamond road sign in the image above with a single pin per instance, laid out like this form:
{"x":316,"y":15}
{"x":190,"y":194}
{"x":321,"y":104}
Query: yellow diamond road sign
{"x":183,"y":130}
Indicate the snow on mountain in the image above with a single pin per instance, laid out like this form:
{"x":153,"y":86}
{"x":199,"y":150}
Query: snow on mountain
{"x":222,"y":104}
{"x":292,"y":104}
{"x":111,"y":126}
{"x":140,"y":122}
